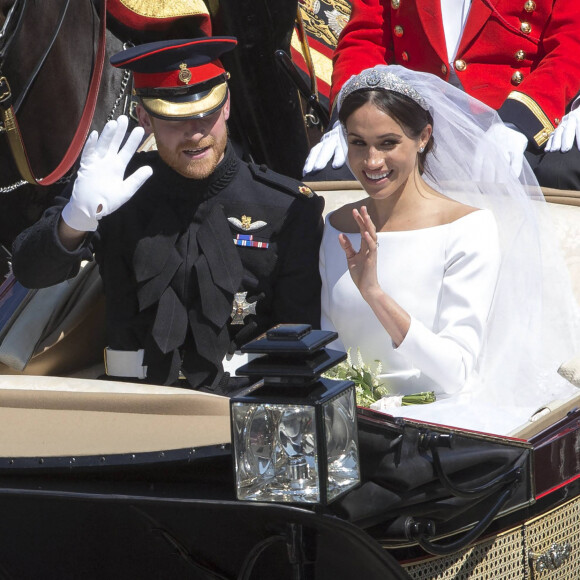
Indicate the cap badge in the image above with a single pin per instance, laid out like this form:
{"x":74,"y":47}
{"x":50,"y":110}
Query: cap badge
{"x":246,"y":224}
{"x":305,"y":190}
{"x":184,"y":74}
{"x":241,"y":308}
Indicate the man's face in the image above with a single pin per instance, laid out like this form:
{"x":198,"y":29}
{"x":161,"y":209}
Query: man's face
{"x":192,"y":147}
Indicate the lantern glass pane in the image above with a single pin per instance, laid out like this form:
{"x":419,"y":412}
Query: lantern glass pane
{"x":275,"y":452}
{"x":342,"y":444}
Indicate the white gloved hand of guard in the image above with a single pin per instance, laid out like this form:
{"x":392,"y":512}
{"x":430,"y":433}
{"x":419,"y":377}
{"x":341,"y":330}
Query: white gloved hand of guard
{"x":568,"y":131}
{"x":100,"y":188}
{"x":509,"y":143}
{"x":330,"y":146}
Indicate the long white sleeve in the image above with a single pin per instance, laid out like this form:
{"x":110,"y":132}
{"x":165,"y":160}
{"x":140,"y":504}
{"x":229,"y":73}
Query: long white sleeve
{"x":448,"y":351}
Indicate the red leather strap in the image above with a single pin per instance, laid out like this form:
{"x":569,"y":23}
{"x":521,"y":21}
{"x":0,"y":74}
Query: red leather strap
{"x":15,"y":138}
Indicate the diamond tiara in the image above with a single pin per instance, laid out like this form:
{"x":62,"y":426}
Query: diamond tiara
{"x":374,"y":79}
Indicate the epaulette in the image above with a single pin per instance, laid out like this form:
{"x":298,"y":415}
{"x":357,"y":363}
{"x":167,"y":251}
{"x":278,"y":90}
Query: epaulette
{"x":288,"y":184}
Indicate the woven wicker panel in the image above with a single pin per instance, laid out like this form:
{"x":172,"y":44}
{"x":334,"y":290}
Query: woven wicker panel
{"x":553,"y":543}
{"x":500,"y":557}
{"x":545,"y":548}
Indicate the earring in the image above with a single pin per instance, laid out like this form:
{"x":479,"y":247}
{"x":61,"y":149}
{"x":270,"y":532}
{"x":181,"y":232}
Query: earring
{"x":421,"y":149}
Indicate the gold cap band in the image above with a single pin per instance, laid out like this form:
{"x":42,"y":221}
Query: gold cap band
{"x":208,"y":104}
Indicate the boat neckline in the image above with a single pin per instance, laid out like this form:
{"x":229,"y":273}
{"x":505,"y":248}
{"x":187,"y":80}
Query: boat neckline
{"x":477,"y":211}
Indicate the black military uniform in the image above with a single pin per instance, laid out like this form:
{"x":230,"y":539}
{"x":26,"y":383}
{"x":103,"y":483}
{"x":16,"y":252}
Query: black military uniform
{"x":173,"y":258}
{"x":192,"y":268}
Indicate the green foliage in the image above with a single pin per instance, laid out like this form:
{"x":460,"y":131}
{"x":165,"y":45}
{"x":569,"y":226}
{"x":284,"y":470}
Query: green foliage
{"x":368,"y":386}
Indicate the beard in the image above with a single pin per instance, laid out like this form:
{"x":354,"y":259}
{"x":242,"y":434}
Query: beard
{"x":195,"y":168}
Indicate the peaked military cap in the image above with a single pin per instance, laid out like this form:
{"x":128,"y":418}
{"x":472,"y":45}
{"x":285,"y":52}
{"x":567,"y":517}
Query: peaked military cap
{"x":179,"y":79}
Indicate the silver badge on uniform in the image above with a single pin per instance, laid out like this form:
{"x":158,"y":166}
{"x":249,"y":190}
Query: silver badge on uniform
{"x":246,"y":224}
{"x":241,"y":308}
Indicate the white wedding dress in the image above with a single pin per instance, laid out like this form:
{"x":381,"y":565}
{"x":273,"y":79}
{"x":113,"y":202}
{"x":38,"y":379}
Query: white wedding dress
{"x":444,"y":277}
{"x":488,"y":334}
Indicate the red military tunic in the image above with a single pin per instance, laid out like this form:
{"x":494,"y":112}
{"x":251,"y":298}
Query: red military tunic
{"x":521,"y":57}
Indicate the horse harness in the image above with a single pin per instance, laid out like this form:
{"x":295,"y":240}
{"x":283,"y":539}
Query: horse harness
{"x":9,"y":107}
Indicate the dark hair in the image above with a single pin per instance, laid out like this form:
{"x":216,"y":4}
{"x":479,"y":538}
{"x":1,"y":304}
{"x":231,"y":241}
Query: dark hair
{"x":409,"y":114}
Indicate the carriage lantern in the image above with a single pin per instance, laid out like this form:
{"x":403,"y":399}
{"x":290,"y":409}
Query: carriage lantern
{"x":294,"y":435}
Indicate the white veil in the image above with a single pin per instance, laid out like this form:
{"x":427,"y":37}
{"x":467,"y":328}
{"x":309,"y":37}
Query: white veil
{"x":534,"y":324}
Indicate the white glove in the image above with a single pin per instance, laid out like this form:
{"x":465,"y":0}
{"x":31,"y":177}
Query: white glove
{"x":562,"y":139}
{"x":99,"y":188}
{"x":330,"y":146}
{"x":505,"y":141}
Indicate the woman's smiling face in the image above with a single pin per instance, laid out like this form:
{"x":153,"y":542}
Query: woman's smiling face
{"x":380,"y":154}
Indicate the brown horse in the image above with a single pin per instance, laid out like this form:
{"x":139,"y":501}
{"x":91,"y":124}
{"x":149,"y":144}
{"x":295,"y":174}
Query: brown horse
{"x":50,"y":111}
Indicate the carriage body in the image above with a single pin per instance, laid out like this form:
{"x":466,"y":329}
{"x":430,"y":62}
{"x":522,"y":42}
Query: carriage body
{"x":101,"y":479}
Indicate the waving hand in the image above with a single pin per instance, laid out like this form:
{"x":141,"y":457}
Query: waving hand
{"x":100,"y":187}
{"x":362,"y":265}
